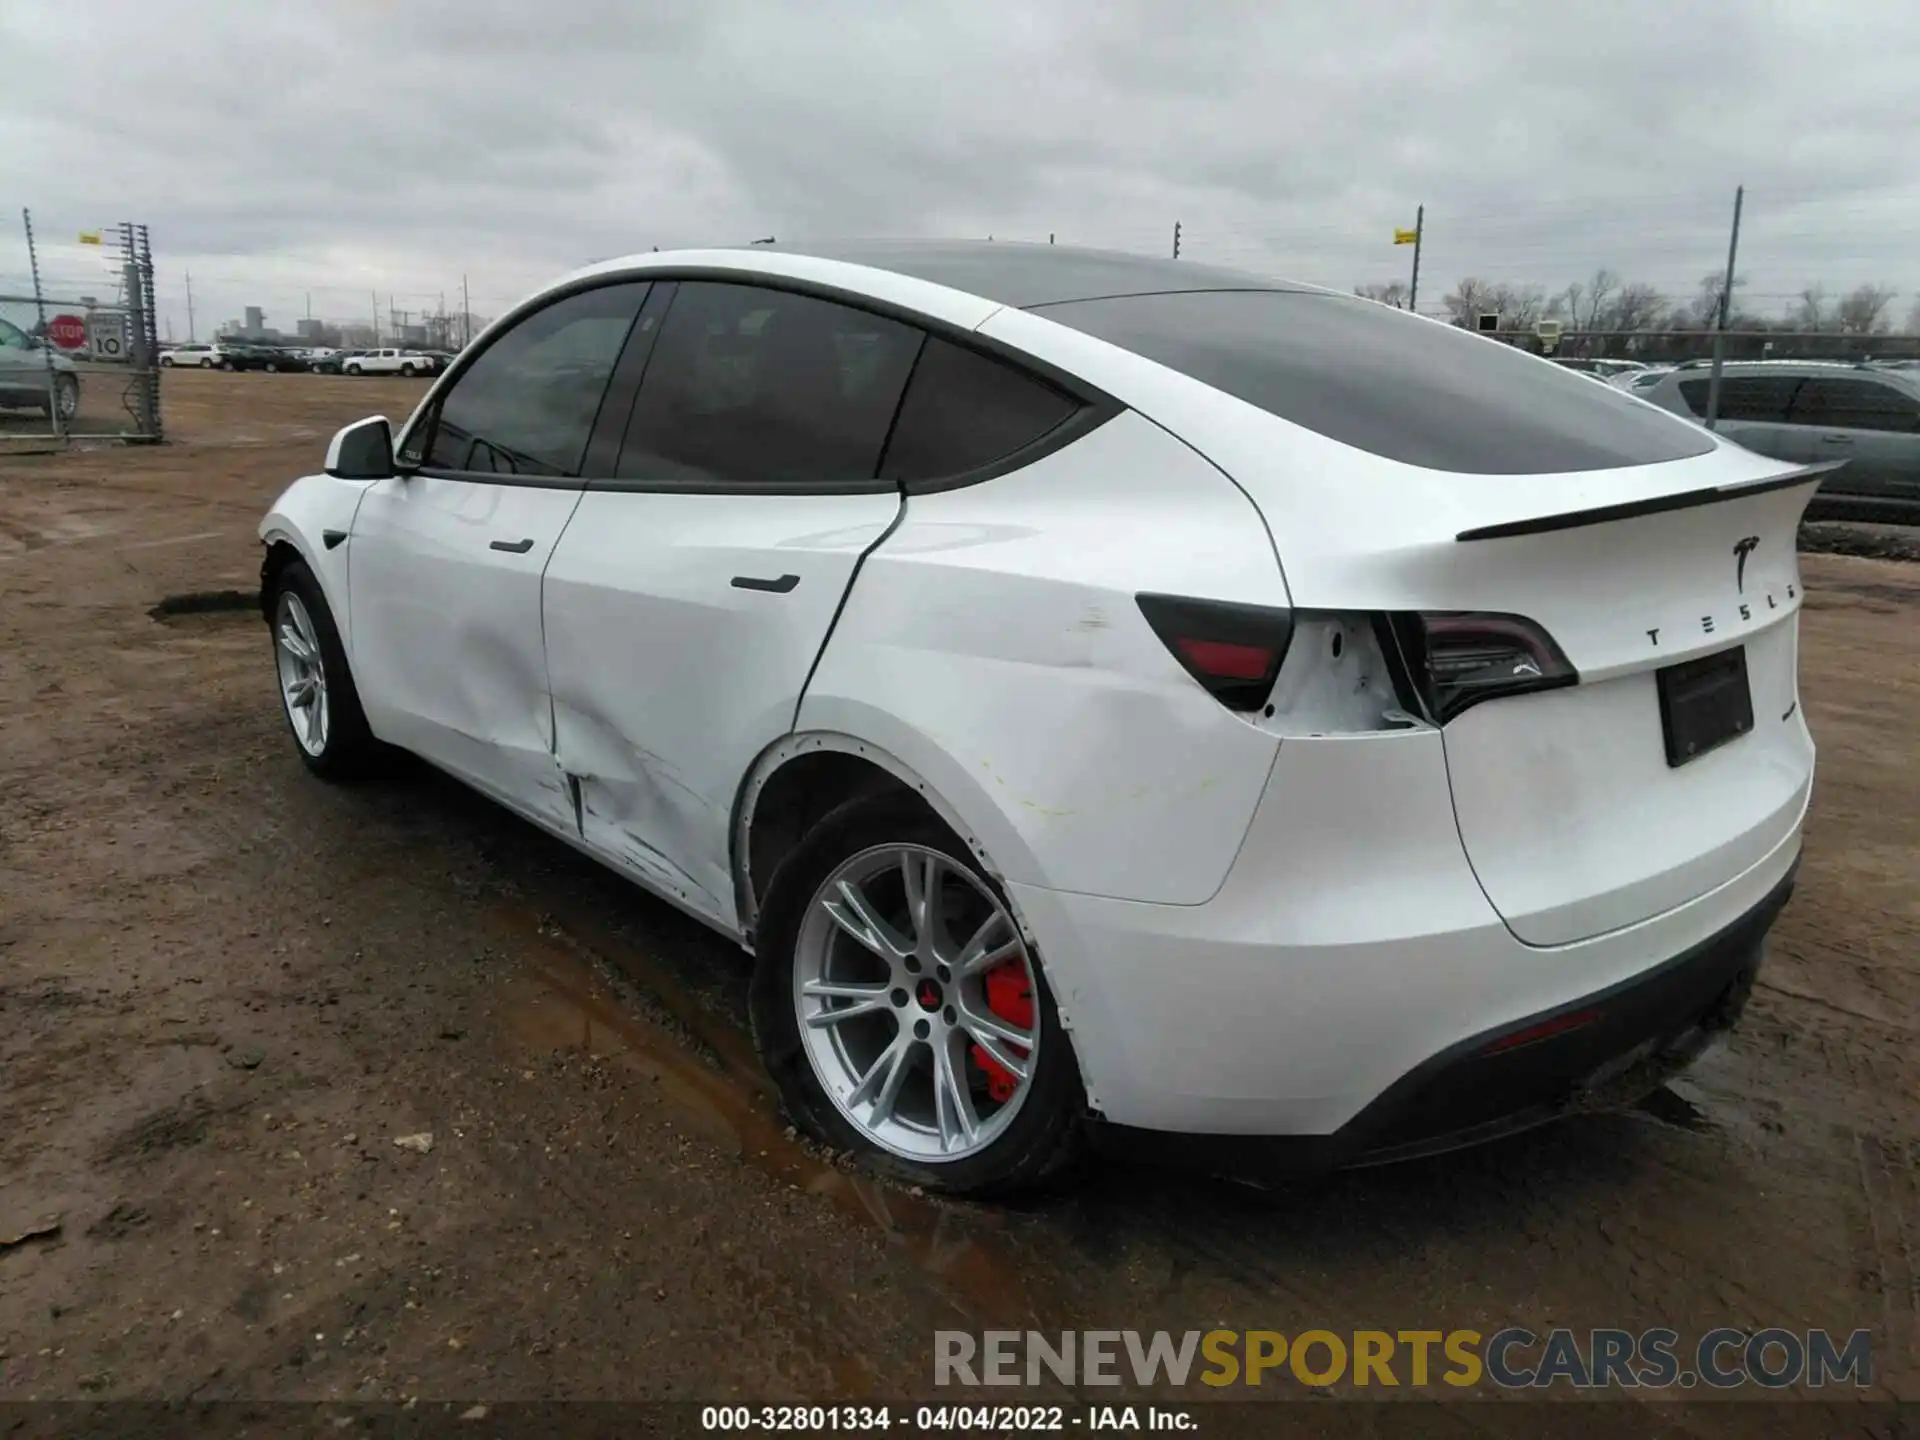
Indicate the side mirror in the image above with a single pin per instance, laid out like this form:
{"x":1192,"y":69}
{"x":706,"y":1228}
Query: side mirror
{"x":362,"y":451}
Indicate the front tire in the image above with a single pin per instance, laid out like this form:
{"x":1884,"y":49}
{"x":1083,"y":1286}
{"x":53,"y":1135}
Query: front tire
{"x":353,"y":369}
{"x":66,"y":397}
{"x":317,"y":694}
{"x":407,"y":370}
{"x":166,"y":362}
{"x":902,"y":1014}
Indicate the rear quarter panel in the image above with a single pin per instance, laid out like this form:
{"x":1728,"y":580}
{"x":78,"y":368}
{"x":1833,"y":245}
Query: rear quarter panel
{"x":993,"y":644}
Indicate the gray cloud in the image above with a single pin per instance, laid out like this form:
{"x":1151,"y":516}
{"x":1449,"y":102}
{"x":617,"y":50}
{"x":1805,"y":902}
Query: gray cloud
{"x":281,"y":152}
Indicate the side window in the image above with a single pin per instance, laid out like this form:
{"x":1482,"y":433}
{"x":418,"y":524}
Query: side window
{"x":964,"y":410}
{"x":1856,"y":405}
{"x":1765,"y":399}
{"x":12,"y":337}
{"x":752,"y":386}
{"x":527,"y":403}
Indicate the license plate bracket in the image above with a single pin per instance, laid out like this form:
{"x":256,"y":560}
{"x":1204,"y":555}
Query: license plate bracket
{"x":1704,"y":704}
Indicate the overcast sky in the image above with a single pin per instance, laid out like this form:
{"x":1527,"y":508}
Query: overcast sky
{"x":341,"y":147}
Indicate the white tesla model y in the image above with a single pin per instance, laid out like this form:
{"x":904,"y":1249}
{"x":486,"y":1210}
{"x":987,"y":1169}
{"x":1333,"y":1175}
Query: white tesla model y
{"x":1110,"y":697}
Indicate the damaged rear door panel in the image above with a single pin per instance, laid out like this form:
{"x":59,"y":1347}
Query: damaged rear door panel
{"x":680,"y":633}
{"x":691,"y":596}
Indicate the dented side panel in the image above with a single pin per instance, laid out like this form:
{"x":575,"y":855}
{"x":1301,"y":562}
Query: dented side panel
{"x":448,"y":652}
{"x":995,"y":635}
{"x":680,"y":633}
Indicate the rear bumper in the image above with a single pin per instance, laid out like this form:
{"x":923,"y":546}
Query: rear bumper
{"x":1350,"y":959}
{"x":1593,"y":1052}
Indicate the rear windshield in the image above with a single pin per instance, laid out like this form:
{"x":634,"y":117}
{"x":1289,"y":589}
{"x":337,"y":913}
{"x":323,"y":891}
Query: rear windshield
{"x":1390,"y":384}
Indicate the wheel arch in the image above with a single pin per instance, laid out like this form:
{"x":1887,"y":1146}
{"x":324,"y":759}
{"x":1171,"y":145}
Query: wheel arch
{"x":311,"y":512}
{"x":804,"y":774}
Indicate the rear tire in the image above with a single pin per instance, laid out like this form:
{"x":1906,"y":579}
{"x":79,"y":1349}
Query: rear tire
{"x":353,"y":369}
{"x":166,"y":362}
{"x":1028,"y":1140}
{"x":330,"y":729}
{"x":407,"y":370}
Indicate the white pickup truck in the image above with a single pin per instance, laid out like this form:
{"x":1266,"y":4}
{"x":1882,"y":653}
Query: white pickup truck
{"x":389,"y":362}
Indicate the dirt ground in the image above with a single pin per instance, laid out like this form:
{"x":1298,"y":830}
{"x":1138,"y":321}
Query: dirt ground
{"x":227,"y":990}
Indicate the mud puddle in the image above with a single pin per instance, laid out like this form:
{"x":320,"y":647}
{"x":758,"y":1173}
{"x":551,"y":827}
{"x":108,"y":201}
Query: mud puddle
{"x":566,"y":999}
{"x":207,"y":606}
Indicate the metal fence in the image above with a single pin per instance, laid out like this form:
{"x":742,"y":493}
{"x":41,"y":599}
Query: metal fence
{"x":79,"y":366}
{"x":1673,"y":346}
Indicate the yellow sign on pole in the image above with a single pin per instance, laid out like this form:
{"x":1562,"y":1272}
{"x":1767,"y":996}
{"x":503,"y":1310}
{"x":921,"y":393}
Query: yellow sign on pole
{"x":1406,"y":237}
{"x":89,"y":237}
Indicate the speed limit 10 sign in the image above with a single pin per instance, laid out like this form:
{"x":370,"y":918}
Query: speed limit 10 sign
{"x":108,"y":332}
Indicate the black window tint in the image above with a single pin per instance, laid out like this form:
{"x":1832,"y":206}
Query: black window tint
{"x":1389,"y":383}
{"x":964,"y":410}
{"x":752,"y":386}
{"x":527,"y":403}
{"x":1856,"y":405}
{"x":1765,"y":399}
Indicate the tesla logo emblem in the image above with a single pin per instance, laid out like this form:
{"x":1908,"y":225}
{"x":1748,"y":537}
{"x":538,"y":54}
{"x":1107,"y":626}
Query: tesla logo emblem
{"x":1740,"y":553}
{"x":929,"y":995}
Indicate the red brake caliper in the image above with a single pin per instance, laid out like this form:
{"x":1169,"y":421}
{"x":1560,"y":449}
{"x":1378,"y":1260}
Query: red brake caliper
{"x":1010,"y":996}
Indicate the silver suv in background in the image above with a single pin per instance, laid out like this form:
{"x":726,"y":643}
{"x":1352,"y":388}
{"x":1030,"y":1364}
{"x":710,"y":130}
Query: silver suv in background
{"x":34,"y":378}
{"x":1814,"y":412}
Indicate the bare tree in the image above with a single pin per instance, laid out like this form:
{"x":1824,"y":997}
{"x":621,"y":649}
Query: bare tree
{"x":1393,"y":293}
{"x":1705,"y":312}
{"x":1585,"y":304}
{"x":1863,"y":311}
{"x":1638,"y":306}
{"x":1470,"y":299}
{"x":1813,"y":311}
{"x":1913,"y":318}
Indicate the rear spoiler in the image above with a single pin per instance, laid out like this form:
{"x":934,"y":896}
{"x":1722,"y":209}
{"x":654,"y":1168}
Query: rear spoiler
{"x":1632,"y":509}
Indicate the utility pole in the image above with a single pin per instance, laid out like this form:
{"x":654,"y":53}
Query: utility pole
{"x":309,"y":305}
{"x":1419,"y":233}
{"x":374,"y":295}
{"x":466,"y":314}
{"x":190,"y":336}
{"x":1176,"y":239}
{"x":1720,"y":320}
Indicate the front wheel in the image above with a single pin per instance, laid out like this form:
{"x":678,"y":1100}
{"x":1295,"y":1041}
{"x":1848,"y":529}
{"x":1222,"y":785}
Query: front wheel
{"x":903,"y":1015}
{"x":166,"y":362}
{"x":353,"y":369}
{"x":317,"y":693}
{"x":407,"y":370}
{"x":66,"y":396}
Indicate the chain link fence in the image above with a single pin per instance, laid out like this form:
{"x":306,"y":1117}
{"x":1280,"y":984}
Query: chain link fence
{"x":76,"y":365}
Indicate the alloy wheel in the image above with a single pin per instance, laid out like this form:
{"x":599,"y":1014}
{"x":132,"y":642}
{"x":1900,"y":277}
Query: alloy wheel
{"x":303,"y":674}
{"x":916,"y":999}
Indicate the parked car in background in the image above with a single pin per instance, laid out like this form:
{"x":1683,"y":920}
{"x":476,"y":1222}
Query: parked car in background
{"x":390,"y":361}
{"x":195,"y":355}
{"x":247,"y":355}
{"x":34,"y":376}
{"x":1819,"y":412}
{"x":1638,"y":382}
{"x":1598,"y":368}
{"x":330,"y":362}
{"x":880,"y":607}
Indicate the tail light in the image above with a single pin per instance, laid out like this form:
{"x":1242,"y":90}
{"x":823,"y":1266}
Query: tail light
{"x":1452,"y":661}
{"x":1233,"y":650}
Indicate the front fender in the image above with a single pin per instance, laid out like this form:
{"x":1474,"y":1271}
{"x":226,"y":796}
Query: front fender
{"x":309,"y":513}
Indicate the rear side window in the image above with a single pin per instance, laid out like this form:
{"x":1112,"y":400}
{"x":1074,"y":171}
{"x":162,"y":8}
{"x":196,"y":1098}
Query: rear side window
{"x":1389,"y":383}
{"x":1856,"y":405}
{"x":749,"y":386}
{"x":1762,"y":399}
{"x":527,"y":403}
{"x":964,"y":410}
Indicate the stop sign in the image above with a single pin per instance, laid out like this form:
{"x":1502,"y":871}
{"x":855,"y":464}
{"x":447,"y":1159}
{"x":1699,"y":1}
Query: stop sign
{"x":69,"y":332}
